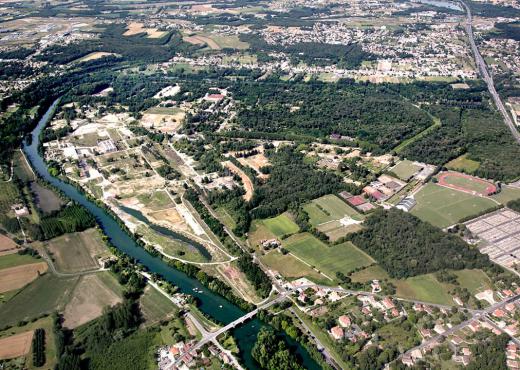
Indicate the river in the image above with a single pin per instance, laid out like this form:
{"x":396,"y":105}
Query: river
{"x":211,"y":304}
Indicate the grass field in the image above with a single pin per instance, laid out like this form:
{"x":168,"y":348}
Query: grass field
{"x":44,"y":295}
{"x":155,"y":306}
{"x":21,"y":168}
{"x":291,"y":268}
{"x":15,"y":259}
{"x":9,"y":195}
{"x":329,"y":208}
{"x":423,"y":288}
{"x":258,"y":232}
{"x":473,"y":280}
{"x":443,"y":207}
{"x":77,"y":251}
{"x":226,"y":217}
{"x":329,"y":259}
{"x":506,"y":194}
{"x":14,"y":278}
{"x":374,"y":272}
{"x":463,"y":163}
{"x":405,"y":169}
{"x":281,"y":225}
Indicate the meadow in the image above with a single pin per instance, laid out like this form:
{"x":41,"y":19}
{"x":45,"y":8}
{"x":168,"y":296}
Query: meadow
{"x":281,"y":225}
{"x":405,"y":169}
{"x":463,"y":164}
{"x":443,"y":207}
{"x":329,"y":208}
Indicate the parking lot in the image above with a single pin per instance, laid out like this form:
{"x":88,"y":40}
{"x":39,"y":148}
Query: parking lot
{"x":500,"y":233}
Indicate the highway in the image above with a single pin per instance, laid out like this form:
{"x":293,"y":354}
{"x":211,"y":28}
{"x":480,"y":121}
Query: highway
{"x":482,"y":67}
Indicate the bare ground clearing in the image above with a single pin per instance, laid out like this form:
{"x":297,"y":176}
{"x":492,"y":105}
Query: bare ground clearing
{"x":16,"y":345}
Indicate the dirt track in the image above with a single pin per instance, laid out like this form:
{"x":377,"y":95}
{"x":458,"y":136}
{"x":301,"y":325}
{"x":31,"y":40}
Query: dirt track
{"x":248,"y":185}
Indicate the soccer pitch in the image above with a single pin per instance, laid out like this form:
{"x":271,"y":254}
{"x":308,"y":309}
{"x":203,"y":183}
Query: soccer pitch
{"x":443,"y":207}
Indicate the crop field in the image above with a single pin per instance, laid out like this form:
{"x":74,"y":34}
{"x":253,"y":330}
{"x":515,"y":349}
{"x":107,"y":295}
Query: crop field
{"x":44,"y":295}
{"x":94,"y":56}
{"x":443,"y":207}
{"x":135,"y":28}
{"x":17,"y":277}
{"x":466,"y":183}
{"x":7,"y":245}
{"x":16,"y":345}
{"x":329,"y":208}
{"x":281,"y":225}
{"x":405,"y":169}
{"x":90,"y":296}
{"x":217,"y":42}
{"x":463,"y":163}
{"x":291,"y":268}
{"x":335,"y":230}
{"x":16,"y":259}
{"x":155,"y":306}
{"x":77,"y":252}
{"x":329,"y":259}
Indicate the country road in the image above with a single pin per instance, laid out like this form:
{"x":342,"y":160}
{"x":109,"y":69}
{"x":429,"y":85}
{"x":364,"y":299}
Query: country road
{"x":482,"y":67}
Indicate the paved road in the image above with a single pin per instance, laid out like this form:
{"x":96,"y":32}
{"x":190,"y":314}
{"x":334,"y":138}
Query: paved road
{"x":487,"y":76}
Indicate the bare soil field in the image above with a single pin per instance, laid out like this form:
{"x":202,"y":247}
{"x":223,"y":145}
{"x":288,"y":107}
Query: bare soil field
{"x":77,"y":251}
{"x":89,"y":298}
{"x":169,"y":215}
{"x":163,"y":122}
{"x":17,"y":277}
{"x":135,"y":28}
{"x":256,"y":162}
{"x":248,"y":185}
{"x":199,"y":40}
{"x":16,"y":345}
{"x":7,"y":245}
{"x":95,"y":55}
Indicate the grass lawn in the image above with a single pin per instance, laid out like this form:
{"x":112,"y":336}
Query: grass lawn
{"x":281,"y":225}
{"x":44,"y":295}
{"x":292,"y":268}
{"x":463,"y":164}
{"x":405,"y":169}
{"x":506,"y":194}
{"x":443,"y":207}
{"x":329,"y":259}
{"x":226,"y":217}
{"x":155,"y":306}
{"x":156,"y":201}
{"x":423,"y":288}
{"x":329,"y":208}
{"x":15,"y":259}
{"x":50,"y":347}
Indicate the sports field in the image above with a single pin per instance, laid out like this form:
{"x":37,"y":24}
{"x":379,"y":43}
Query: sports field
{"x":443,"y":207}
{"x":77,"y":251}
{"x":329,"y":259}
{"x":405,"y":169}
{"x":463,"y":163}
{"x":281,"y":225}
{"x":329,"y":208}
{"x":466,"y":183}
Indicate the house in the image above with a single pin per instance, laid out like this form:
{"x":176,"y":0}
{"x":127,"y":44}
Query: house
{"x":425,"y":333}
{"x":417,"y":307}
{"x":344,"y":321}
{"x":474,"y":326}
{"x":439,"y":329}
{"x":407,"y":360}
{"x":466,"y":351}
{"x":510,"y":307}
{"x":394,"y":312}
{"x":499,"y":313}
{"x":337,"y":332}
{"x":214,"y":97}
{"x":456,"y":340}
{"x":458,"y":301}
{"x":376,"y":288}
{"x":387,"y":303}
{"x":406,"y":204}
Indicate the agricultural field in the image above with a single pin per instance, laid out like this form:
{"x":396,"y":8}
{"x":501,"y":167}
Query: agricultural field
{"x":90,"y":296}
{"x":155,"y":306}
{"x":13,"y":278}
{"x":94,"y":56}
{"x":7,"y":245}
{"x":463,"y":164}
{"x":15,"y":259}
{"x":329,"y":208}
{"x":44,"y":323}
{"x":9,"y":195}
{"x":281,"y":225}
{"x":423,"y":288}
{"x":342,"y":258}
{"x":136,"y":28}
{"x":16,"y":345}
{"x":405,"y":169}
{"x":44,"y":295}
{"x":77,"y":252}
{"x":443,"y":207}
{"x":216,"y":42}
{"x":291,"y":268}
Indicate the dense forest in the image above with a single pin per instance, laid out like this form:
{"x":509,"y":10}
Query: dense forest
{"x":272,"y":353}
{"x":406,"y":246}
{"x":490,"y":354}
{"x":322,"y":109}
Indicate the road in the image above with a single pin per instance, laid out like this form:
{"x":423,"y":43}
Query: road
{"x":482,"y":67}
